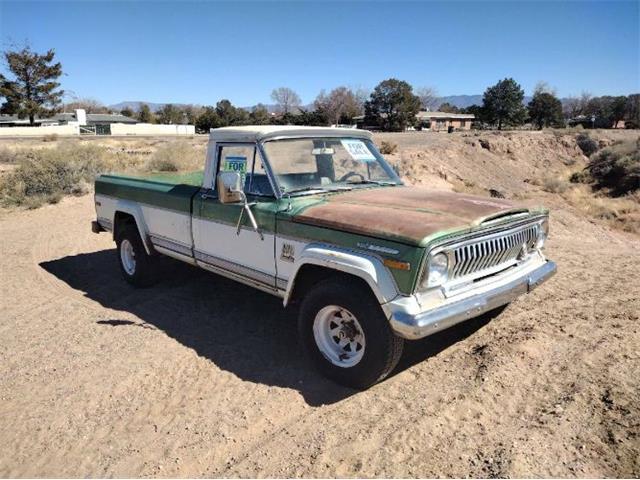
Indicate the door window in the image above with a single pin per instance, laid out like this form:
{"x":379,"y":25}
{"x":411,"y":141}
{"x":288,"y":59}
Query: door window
{"x":247,"y":161}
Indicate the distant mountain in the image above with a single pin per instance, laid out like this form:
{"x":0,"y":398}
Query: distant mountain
{"x":135,"y":106}
{"x":461,"y":101}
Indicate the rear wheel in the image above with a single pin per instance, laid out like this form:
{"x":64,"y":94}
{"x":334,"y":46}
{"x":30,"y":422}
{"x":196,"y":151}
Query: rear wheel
{"x":346,"y":334}
{"x":136,"y":266}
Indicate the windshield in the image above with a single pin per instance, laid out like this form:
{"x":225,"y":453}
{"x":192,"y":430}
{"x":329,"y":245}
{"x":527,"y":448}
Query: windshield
{"x":309,"y":164}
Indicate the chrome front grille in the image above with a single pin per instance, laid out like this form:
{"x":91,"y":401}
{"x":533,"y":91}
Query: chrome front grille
{"x":490,"y":254}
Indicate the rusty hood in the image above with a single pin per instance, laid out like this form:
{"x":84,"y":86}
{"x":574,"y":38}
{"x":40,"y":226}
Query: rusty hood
{"x":412,"y":215}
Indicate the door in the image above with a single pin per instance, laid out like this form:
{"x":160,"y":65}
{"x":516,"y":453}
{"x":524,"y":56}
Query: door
{"x":246,"y":255}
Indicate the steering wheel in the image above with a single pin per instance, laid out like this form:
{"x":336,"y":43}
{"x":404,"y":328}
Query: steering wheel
{"x":351,"y":174}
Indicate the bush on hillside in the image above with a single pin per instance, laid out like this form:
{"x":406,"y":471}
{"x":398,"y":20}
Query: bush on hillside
{"x":587,"y":144}
{"x":617,"y":168}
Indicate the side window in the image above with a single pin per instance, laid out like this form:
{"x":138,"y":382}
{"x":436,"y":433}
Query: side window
{"x":247,"y":161}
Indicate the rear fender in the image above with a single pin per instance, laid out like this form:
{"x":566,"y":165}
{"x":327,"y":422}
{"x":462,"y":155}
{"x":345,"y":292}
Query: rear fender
{"x":367,"y":267}
{"x":133,"y":209}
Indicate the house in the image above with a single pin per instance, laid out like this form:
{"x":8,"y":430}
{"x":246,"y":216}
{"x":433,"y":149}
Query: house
{"x":434,"y":121}
{"x":437,"y":121}
{"x":98,"y":120}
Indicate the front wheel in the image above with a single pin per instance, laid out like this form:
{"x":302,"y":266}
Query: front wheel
{"x":346,"y":334}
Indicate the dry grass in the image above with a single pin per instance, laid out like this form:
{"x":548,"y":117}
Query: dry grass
{"x":620,"y":212}
{"x":44,"y":175}
{"x":388,"y":148}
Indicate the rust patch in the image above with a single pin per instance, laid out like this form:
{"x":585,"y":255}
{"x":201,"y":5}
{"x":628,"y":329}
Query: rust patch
{"x":408,"y":214}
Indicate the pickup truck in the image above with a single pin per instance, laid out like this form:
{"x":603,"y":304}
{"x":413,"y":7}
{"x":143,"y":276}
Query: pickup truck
{"x":317,"y":217}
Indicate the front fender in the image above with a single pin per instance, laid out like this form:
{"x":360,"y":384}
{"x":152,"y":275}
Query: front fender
{"x":133,"y":209}
{"x":368,"y":267}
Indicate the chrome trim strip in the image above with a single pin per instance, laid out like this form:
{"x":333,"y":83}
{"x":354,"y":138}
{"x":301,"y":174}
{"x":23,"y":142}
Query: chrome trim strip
{"x":171,"y":245}
{"x":236,"y":268}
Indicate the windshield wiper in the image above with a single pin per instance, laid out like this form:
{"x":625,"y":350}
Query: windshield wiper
{"x":371,"y":182}
{"x":305,"y":189}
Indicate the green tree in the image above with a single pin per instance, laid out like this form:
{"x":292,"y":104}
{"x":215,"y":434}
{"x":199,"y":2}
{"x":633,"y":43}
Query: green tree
{"x":127,"y":112}
{"x":145,"y":115}
{"x":502,"y":103}
{"x":545,"y":110}
{"x":259,"y":115}
{"x":33,"y":90}
{"x":448,"y":108}
{"x":208,"y":119}
{"x":169,"y":114}
{"x":230,"y":115}
{"x":392,"y":105}
{"x":632,"y":110}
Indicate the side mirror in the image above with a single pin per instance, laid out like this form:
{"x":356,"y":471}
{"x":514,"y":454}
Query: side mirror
{"x":229,"y":186}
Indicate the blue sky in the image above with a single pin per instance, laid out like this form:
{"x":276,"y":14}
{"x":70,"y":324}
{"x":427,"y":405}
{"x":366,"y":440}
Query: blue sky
{"x":200,"y":52}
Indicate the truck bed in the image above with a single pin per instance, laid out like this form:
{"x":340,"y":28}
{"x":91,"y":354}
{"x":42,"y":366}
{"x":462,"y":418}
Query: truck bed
{"x":172,"y":191}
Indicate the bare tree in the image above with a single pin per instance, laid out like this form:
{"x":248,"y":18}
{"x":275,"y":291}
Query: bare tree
{"x":571,"y":107}
{"x":585,"y":99}
{"x":285,"y":98}
{"x":341,"y":104}
{"x":543,"y":87}
{"x":428,"y":98}
{"x":90,"y":105}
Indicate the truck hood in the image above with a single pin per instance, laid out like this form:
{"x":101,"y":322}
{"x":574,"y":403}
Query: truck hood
{"x":411,"y":215}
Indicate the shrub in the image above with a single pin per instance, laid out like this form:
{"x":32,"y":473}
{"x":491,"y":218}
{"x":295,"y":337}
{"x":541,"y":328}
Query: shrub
{"x":582,"y":176}
{"x":617,"y":168}
{"x":554,"y":185}
{"x":175,"y":156}
{"x":52,"y":137}
{"x":46,"y":175}
{"x":388,"y":148}
{"x":586,"y":144}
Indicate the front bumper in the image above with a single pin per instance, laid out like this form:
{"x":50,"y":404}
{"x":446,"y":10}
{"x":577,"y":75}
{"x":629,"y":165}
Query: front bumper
{"x":411,"y":324}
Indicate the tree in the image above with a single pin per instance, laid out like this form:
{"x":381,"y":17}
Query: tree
{"x":502,"y":103}
{"x":208,"y":119}
{"x":545,"y":110}
{"x":89,"y":105}
{"x":230,"y":115}
{"x":428,"y":98}
{"x":34,"y":90}
{"x":144,"y":114}
{"x":632,"y":110}
{"x":448,"y":108}
{"x":339,"y":106}
{"x":169,"y":114}
{"x":285,"y":99}
{"x":127,"y":112}
{"x":571,"y":107}
{"x":392,"y":105}
{"x":260,"y":115}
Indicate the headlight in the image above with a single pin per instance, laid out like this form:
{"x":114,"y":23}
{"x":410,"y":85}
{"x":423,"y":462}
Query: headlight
{"x":437,"y":271}
{"x":543,"y":233}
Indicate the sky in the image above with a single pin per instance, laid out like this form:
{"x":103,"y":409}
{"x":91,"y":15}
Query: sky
{"x":200,"y":52}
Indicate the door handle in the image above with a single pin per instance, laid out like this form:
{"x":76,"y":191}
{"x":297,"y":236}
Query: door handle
{"x":205,"y":196}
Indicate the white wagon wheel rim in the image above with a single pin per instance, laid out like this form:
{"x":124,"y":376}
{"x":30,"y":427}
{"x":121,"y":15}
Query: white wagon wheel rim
{"x":339,"y":336}
{"x":127,"y":257}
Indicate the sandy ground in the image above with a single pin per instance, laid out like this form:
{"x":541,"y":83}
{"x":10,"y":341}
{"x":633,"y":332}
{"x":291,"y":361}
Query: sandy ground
{"x":200,"y":376}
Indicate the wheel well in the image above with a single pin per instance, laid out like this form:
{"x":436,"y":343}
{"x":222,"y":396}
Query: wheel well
{"x":120,"y":220}
{"x":310,"y":275}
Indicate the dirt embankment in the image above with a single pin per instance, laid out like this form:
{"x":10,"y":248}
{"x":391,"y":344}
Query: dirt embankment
{"x":199,"y":376}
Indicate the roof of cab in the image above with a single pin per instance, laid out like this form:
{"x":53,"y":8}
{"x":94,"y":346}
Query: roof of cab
{"x":253,"y":133}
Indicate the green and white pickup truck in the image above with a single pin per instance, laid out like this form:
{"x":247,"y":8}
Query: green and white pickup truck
{"x":317,"y":217}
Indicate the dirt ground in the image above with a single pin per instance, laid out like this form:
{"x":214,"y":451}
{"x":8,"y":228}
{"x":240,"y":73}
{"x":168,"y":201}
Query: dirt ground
{"x":200,"y":376}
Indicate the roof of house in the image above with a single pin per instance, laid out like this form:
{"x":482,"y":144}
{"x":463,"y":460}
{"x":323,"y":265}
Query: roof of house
{"x":446,"y":115}
{"x":252,"y":133}
{"x":71,"y":117}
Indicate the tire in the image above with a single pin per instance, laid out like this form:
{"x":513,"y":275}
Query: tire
{"x":336,"y":302}
{"x":141,"y":272}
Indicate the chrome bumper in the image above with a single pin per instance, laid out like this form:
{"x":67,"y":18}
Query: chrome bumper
{"x":424,"y":323}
